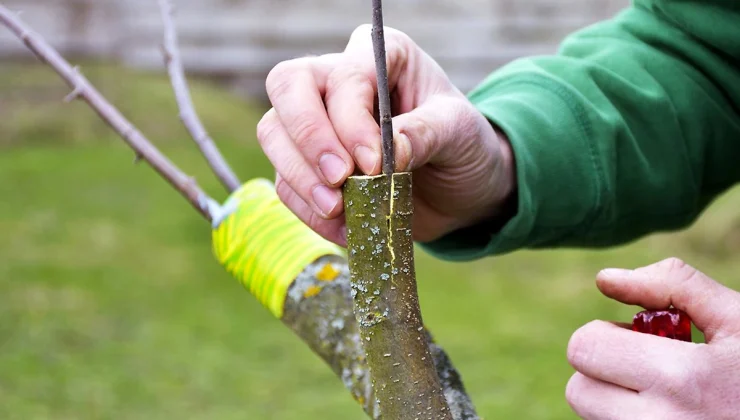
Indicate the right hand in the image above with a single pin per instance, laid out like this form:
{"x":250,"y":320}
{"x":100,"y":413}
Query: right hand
{"x":322,"y":127}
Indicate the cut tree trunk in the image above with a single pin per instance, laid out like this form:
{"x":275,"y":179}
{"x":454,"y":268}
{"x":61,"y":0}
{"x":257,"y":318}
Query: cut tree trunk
{"x":378,"y":212}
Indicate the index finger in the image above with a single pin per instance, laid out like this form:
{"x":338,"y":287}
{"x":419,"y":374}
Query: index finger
{"x":296,"y":90}
{"x":351,"y":94}
{"x":613,"y":354}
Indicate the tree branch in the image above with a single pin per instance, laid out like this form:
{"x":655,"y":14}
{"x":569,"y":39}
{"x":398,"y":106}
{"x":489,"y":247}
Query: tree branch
{"x":319,"y":309}
{"x":384,"y":97}
{"x":304,"y":281}
{"x":82,"y":88}
{"x":188,"y":116}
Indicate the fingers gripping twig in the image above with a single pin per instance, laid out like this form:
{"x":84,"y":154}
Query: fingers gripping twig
{"x":187,"y":110}
{"x":83,"y":89}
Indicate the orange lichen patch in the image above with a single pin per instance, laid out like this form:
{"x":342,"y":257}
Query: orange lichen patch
{"x":327,"y":273}
{"x":360,"y":399}
{"x":311,"y":291}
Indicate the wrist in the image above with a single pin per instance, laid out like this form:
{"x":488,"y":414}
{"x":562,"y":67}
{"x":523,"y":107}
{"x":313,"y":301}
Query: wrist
{"x":506,"y":180}
{"x":507,"y":163}
{"x":497,"y":198}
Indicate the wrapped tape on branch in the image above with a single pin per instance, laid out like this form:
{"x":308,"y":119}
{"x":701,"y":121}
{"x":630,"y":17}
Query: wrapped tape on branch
{"x":264,"y":245}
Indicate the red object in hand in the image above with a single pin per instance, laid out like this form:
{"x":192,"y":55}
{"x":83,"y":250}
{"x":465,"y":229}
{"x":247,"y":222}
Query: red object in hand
{"x":672,"y":323}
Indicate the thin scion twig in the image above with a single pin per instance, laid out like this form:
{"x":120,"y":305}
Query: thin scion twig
{"x":188,"y":116}
{"x":384,"y":97}
{"x":82,"y":88}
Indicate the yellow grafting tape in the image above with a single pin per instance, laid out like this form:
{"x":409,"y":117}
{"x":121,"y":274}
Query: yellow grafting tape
{"x":264,"y":245}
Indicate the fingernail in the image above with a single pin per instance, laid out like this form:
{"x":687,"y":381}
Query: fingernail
{"x":367,"y":158}
{"x":614,"y":273}
{"x":404,"y":153}
{"x":333,"y":167}
{"x":325,"y":199}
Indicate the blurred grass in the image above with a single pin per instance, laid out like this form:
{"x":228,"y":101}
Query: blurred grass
{"x":111,"y":305}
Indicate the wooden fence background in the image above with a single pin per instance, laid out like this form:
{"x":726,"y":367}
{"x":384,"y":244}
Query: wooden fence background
{"x":239,"y":41}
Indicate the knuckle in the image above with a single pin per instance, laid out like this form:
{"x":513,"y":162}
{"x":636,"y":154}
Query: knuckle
{"x":680,"y":271}
{"x":279,"y":78}
{"x":313,"y":220}
{"x":425,"y":136}
{"x":676,"y":264}
{"x":579,"y":346}
{"x":358,"y":77}
{"x":466,"y":118}
{"x":397,"y":43}
{"x":266,"y":126}
{"x":457,"y":128}
{"x":701,"y":375}
{"x":362,"y":30}
{"x":292,"y":173}
{"x":400,"y":46}
{"x":682,"y":382}
{"x":283,"y":190}
{"x":674,"y":378}
{"x":391,"y":34}
{"x":672,"y":272}
{"x":572,"y":390}
{"x":582,"y":345}
{"x":395,"y":36}
{"x":305,"y":130}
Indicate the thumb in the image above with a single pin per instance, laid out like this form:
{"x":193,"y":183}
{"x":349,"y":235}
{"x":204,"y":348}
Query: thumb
{"x":439,"y":131}
{"x":713,"y":307}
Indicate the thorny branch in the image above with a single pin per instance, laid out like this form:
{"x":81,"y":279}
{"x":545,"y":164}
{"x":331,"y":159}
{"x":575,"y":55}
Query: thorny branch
{"x":188,"y":116}
{"x":83,"y":89}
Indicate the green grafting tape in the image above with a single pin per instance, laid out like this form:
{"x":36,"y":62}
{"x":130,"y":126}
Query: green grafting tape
{"x":264,"y":245}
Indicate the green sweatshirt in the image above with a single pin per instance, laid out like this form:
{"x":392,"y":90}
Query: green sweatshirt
{"x":633,"y":127}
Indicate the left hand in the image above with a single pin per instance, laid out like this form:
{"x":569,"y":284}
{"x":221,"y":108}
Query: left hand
{"x":629,"y":375}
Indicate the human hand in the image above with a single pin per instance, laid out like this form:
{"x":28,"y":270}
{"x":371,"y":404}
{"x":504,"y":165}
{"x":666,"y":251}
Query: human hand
{"x":322,"y":127}
{"x":630,"y":375}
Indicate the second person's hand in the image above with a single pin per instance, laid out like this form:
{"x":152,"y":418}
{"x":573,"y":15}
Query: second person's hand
{"x":322,"y":129}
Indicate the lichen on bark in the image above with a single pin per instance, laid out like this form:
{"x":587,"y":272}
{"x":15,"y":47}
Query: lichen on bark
{"x":379,"y":212}
{"x":319,"y":309}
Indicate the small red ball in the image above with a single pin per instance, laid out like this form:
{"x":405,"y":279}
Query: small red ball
{"x":672,"y":323}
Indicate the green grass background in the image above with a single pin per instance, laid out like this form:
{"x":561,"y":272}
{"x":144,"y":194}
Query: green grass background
{"x":112,"y":306}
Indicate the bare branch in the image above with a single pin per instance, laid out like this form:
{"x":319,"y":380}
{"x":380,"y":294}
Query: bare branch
{"x":384,"y":97}
{"x":82,"y":88}
{"x":188,"y":116}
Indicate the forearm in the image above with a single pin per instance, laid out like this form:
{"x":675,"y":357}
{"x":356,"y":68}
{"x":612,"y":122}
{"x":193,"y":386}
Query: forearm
{"x":630,"y":129}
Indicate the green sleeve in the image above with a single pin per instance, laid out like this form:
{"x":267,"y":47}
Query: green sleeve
{"x":633,"y":127}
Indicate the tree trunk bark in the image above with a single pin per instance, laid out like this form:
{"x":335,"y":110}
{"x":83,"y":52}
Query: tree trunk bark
{"x":378,"y":212}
